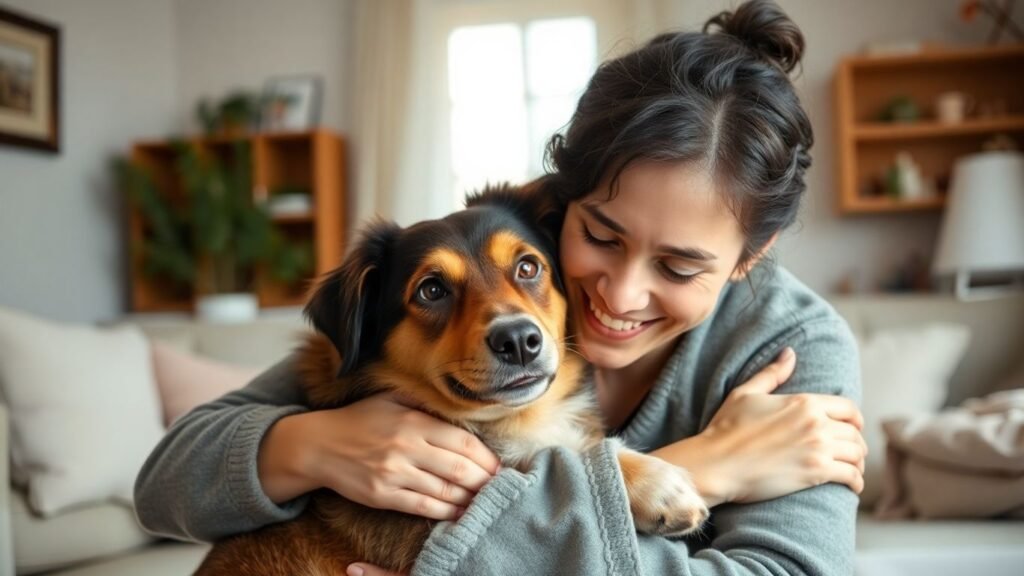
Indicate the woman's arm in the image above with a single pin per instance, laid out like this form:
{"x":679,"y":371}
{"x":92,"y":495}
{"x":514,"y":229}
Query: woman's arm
{"x":570,"y":513}
{"x":248,"y":458}
{"x":201,"y":482}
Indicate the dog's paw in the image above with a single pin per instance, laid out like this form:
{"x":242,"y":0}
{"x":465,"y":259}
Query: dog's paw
{"x":661,"y":496}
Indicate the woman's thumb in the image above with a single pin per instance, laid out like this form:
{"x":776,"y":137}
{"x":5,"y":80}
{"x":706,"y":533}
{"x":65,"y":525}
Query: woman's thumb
{"x":771,"y":376}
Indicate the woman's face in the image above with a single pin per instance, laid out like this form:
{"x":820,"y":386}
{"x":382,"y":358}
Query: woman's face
{"x":649,"y":264}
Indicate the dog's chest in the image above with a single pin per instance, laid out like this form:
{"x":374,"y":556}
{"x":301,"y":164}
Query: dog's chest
{"x":574,"y":425}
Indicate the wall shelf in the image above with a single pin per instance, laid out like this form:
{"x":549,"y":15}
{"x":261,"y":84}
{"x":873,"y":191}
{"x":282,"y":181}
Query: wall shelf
{"x":867,"y":147}
{"x":313,"y":160}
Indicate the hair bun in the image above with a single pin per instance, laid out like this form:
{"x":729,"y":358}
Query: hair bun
{"x":765,"y":28}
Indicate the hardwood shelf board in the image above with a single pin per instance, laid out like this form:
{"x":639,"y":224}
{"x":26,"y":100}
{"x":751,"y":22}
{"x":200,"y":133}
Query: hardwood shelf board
{"x":937,"y":55}
{"x":306,"y":218}
{"x":884,"y":205}
{"x":931,"y":129}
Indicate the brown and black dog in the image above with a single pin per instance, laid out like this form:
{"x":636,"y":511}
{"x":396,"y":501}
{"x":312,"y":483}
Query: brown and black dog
{"x":465,"y":316}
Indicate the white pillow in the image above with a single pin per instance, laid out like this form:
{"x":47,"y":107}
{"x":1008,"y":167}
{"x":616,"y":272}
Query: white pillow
{"x":84,"y":409}
{"x":904,"y":371}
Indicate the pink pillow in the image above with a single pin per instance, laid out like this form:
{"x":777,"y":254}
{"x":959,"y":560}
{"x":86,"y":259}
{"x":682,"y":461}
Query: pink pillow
{"x":186,"y":380}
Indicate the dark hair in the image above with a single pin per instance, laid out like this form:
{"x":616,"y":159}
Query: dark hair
{"x":722,"y":98}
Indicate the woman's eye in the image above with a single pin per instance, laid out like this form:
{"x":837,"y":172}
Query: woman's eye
{"x":591,"y":239}
{"x":680,"y":276}
{"x":527,"y":269}
{"x":431,"y":290}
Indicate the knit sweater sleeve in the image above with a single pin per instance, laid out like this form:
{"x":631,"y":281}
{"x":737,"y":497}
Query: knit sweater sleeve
{"x":569,"y":514}
{"x":200,"y":482}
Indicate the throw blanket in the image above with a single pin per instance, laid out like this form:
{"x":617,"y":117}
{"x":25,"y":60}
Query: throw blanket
{"x":965,"y":462}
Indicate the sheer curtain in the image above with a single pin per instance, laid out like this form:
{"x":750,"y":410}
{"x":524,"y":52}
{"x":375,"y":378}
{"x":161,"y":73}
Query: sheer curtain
{"x":400,"y":146}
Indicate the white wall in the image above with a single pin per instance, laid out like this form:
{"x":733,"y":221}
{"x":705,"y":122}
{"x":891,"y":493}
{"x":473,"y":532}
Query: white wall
{"x":61,"y":252}
{"x":824,"y":247}
{"x":229,"y":44}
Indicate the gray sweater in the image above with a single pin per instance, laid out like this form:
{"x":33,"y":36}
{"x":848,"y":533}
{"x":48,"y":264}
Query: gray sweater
{"x":569,"y":513}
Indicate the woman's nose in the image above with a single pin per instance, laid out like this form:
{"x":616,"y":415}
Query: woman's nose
{"x":625,"y":290}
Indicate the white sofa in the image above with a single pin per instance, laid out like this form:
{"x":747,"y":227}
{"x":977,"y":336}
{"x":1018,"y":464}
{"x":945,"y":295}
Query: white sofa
{"x":104,"y":539}
{"x":938,"y":548}
{"x":887,"y":548}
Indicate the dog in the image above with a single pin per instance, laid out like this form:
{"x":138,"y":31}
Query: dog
{"x":466,"y":316}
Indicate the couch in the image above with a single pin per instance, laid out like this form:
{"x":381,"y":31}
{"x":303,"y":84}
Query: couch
{"x":80,"y":543}
{"x":104,"y":539}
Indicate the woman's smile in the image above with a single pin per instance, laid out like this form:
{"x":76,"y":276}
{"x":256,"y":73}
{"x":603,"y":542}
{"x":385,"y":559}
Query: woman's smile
{"x":612,"y":327}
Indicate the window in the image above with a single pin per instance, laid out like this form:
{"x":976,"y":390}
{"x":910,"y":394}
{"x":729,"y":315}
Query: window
{"x":511,"y":86}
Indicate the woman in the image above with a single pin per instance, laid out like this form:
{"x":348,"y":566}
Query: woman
{"x":684,"y":161}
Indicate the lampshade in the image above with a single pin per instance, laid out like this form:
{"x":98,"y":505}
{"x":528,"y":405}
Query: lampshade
{"x":983,"y":227}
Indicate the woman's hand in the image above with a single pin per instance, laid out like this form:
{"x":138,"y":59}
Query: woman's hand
{"x":761,"y":445}
{"x":380,"y":453}
{"x":363,"y":569}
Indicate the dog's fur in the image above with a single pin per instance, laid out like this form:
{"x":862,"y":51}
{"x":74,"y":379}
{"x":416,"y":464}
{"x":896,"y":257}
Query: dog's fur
{"x":377,"y":332}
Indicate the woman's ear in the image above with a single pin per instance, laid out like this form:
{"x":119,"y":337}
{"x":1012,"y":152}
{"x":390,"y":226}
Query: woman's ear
{"x":345,"y":305}
{"x":744,"y":268}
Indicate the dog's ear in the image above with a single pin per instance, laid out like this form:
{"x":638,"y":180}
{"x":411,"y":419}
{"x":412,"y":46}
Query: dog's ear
{"x":537,"y":204}
{"x":346,"y":303}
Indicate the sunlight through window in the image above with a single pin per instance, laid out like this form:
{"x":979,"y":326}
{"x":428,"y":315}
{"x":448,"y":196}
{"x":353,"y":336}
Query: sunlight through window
{"x":512,"y":87}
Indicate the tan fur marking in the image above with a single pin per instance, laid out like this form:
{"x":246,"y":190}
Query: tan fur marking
{"x":503,"y":249}
{"x":449,"y":263}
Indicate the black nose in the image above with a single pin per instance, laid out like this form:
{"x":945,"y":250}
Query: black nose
{"x":516,"y":342}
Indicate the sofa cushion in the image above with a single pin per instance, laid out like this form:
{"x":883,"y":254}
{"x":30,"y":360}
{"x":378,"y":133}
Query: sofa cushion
{"x":260,"y":343}
{"x":162,"y":559}
{"x":186,"y":380}
{"x":904,"y":372}
{"x":84,"y":409}
{"x":71,"y":537}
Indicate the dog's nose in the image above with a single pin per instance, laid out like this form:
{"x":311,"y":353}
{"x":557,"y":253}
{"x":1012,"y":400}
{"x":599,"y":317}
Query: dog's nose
{"x":517,"y":342}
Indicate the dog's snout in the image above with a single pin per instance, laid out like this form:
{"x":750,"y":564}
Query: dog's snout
{"x":517,"y":342}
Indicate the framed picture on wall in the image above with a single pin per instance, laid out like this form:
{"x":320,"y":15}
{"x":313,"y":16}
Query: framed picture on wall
{"x":291,"y":103}
{"x":29,"y":82}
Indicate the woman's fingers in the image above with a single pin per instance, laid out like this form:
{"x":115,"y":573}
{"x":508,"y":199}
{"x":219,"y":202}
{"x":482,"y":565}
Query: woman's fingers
{"x":452,"y":467}
{"x":361,"y":569}
{"x":771,"y":376}
{"x":850,"y":453}
{"x":462,"y":442}
{"x":843,"y":409}
{"x":843,"y":473}
{"x":426,"y":481}
{"x":419,"y":504}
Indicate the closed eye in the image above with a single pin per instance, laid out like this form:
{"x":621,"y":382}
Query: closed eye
{"x":677,"y":276}
{"x":600,"y":242}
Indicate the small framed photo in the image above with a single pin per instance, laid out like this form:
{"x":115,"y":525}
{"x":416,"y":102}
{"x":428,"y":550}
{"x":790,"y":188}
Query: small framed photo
{"x":29,"y":82}
{"x":291,"y":103}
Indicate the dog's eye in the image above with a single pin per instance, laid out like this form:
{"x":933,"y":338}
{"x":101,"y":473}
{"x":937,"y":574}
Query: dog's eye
{"x":528,"y":268}
{"x":431,"y":290}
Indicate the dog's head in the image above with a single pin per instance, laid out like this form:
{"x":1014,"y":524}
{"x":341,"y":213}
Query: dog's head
{"x":464,"y":314}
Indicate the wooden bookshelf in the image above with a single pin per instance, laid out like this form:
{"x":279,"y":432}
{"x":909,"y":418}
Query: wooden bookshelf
{"x":867,"y":146}
{"x":314,"y":161}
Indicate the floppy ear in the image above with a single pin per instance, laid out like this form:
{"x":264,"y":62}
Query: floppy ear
{"x":346,"y":303}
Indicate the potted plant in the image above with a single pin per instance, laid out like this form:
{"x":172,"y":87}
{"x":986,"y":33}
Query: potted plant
{"x":218,"y":240}
{"x":234,"y":115}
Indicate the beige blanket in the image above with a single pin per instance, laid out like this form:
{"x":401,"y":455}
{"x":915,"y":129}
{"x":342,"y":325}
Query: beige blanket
{"x":965,"y":462}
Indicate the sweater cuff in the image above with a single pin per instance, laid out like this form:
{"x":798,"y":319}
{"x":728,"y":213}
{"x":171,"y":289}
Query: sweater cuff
{"x":451,"y":542}
{"x":242,"y":472}
{"x":611,"y":504}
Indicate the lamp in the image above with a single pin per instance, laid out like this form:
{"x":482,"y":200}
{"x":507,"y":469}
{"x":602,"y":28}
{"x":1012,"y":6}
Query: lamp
{"x":983,"y":227}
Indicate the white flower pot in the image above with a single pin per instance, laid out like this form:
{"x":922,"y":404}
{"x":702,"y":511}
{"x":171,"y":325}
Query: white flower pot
{"x":227,"y":308}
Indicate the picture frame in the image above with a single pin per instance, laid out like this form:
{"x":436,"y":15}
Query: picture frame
{"x":291,"y":103}
{"x":29,"y":82}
